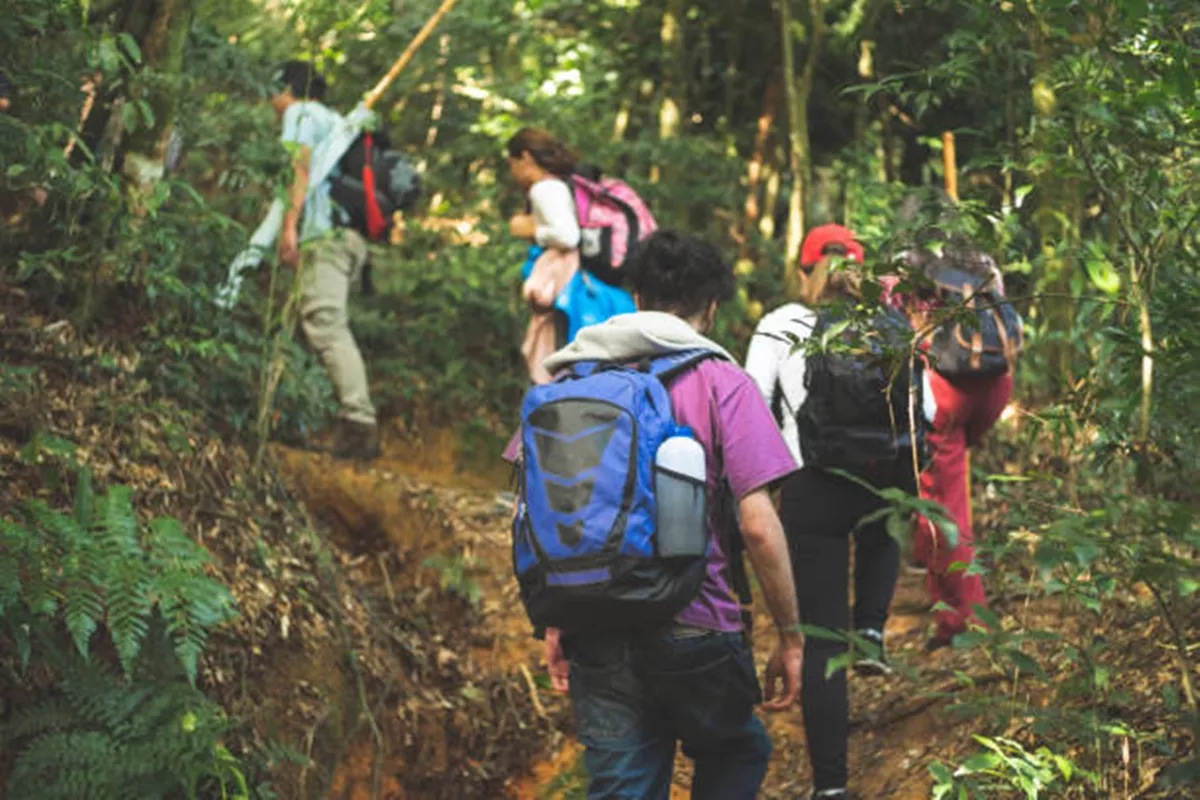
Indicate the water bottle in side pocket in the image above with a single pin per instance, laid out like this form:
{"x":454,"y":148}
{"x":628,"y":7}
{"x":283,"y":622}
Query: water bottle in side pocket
{"x":679,"y":490}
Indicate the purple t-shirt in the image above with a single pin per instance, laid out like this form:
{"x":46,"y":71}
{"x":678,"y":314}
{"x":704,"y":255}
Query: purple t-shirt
{"x":724,"y":407}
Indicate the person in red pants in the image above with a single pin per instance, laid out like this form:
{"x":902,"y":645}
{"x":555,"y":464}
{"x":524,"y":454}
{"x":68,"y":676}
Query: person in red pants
{"x":967,"y":408}
{"x":970,"y":383}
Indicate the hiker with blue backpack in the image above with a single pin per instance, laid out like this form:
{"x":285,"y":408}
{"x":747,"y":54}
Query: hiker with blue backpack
{"x":645,"y":469}
{"x":581,"y":226}
{"x":844,"y":404}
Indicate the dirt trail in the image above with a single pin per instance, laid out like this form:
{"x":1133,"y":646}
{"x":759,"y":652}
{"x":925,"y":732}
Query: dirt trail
{"x":897,"y":726}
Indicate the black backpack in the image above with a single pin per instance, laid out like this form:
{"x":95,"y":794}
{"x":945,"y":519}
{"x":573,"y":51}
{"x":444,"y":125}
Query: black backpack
{"x":855,"y":415}
{"x":982,"y":342}
{"x":397,"y":185}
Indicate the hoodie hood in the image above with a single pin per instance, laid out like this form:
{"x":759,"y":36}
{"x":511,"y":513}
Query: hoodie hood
{"x":628,"y":337}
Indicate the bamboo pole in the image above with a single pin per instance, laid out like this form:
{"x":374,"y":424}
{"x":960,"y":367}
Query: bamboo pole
{"x":372,"y":97}
{"x":950,"y":165}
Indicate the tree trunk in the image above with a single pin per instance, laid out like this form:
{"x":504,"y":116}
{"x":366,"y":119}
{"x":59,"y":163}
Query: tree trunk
{"x":670,"y":114}
{"x":439,"y":100}
{"x":798,"y":89}
{"x":1057,"y":221}
{"x":133,"y":132}
{"x":157,"y":91}
{"x":751,"y":210}
{"x":773,"y":183}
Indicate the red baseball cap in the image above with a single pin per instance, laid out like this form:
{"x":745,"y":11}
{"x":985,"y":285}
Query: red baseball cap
{"x":821,"y":237}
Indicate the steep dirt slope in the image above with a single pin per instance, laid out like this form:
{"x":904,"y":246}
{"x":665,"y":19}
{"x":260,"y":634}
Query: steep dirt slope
{"x":897,"y":728}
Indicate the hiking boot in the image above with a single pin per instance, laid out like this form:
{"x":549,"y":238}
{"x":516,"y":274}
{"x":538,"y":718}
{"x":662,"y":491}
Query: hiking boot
{"x":938,"y":642}
{"x":871,"y":665}
{"x":357,"y":441}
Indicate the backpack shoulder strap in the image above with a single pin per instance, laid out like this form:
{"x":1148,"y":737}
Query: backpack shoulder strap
{"x":669,"y":367}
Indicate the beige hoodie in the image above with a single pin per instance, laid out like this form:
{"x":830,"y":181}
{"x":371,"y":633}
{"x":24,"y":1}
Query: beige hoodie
{"x":627,"y":337}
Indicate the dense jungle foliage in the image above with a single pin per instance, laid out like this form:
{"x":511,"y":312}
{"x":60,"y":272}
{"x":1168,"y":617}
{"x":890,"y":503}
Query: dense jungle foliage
{"x":1076,"y":125}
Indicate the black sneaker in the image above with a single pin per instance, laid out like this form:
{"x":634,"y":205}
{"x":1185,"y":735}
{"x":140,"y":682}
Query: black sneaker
{"x":871,"y":665}
{"x":833,"y":794}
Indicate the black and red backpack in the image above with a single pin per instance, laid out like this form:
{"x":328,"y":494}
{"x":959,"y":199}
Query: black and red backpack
{"x":372,"y":183}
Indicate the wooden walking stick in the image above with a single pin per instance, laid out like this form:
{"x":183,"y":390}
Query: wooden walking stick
{"x":372,"y":97}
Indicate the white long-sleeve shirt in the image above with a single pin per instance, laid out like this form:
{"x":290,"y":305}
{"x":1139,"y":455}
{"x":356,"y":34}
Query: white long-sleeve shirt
{"x":777,"y":363}
{"x":554,"y":211}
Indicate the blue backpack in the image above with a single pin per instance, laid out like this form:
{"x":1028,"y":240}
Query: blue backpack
{"x":584,"y":547}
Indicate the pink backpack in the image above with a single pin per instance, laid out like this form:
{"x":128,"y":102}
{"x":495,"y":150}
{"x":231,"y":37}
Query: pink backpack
{"x":612,"y":219}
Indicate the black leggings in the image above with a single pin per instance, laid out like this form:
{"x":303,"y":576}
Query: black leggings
{"x":819,"y":512}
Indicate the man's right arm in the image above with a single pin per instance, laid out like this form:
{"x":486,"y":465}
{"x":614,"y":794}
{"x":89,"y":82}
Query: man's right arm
{"x":298,"y":135}
{"x":767,"y":546}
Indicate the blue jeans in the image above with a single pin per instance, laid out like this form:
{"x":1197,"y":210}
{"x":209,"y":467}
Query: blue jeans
{"x":635,"y":697}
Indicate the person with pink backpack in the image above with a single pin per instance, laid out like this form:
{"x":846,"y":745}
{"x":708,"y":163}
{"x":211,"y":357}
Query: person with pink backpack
{"x":576,"y":218}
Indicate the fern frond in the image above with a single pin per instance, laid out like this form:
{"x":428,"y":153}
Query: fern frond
{"x":119,"y":524}
{"x":10,"y":568}
{"x":65,"y":765}
{"x":84,"y":497}
{"x":55,"y":714}
{"x":83,"y":608}
{"x":128,"y":606}
{"x":170,"y":548}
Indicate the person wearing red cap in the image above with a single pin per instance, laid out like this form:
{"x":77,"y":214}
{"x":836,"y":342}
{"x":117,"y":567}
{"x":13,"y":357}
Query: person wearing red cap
{"x":825,"y":240}
{"x":821,"y":509}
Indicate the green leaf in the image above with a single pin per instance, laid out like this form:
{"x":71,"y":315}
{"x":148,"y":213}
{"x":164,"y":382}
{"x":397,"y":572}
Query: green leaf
{"x":969,"y":639}
{"x":1025,"y":662}
{"x":818,"y":632}
{"x":980,"y":762}
{"x":20,"y":633}
{"x":840,"y":661}
{"x":130,"y":45}
{"x":1170,"y":693}
{"x":899,"y":527}
{"x":989,"y":617}
{"x":1104,"y":276}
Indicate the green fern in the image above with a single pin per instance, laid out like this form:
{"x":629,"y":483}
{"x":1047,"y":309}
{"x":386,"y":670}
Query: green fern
{"x":190,"y":601}
{"x":104,"y":737}
{"x":111,"y":571}
{"x":144,"y":732}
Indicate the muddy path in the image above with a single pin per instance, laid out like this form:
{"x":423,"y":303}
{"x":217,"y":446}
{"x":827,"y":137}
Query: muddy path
{"x":418,"y":518}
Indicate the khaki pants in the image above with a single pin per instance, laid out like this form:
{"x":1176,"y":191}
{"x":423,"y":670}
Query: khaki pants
{"x":330,"y":266}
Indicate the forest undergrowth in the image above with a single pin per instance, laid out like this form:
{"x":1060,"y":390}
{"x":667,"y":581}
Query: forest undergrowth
{"x":179,"y":619}
{"x":378,"y":649}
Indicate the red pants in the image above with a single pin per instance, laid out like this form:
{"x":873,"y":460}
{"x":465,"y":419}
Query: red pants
{"x":966,"y":410}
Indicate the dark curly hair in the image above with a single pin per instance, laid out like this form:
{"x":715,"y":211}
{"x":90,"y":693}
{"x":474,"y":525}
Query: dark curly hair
{"x":682,"y":274}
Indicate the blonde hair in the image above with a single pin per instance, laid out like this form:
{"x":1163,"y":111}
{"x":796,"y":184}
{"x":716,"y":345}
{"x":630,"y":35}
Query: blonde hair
{"x":824,"y":283}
